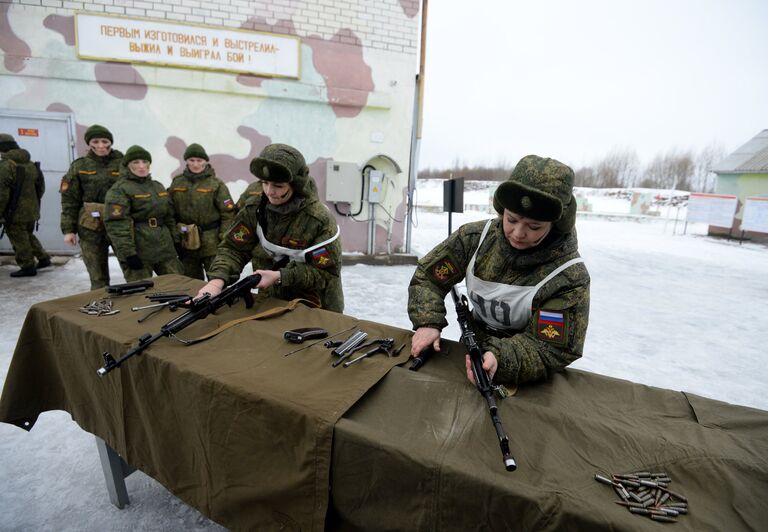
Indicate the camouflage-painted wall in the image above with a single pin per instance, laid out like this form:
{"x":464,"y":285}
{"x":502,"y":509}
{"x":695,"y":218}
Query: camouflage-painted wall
{"x":352,"y":102}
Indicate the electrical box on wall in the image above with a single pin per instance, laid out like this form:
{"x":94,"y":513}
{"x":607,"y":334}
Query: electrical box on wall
{"x":375,"y":182}
{"x":342,"y":182}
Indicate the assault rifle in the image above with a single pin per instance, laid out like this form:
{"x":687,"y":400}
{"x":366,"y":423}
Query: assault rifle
{"x":198,"y":310}
{"x":482,"y":381}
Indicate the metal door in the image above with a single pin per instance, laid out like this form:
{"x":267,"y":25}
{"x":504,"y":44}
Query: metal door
{"x":49,"y":138}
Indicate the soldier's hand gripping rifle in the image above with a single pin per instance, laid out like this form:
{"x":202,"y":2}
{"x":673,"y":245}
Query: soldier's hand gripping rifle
{"x":198,"y":309}
{"x":482,"y":381}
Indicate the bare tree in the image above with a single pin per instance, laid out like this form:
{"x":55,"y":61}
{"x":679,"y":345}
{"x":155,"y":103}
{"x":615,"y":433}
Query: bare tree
{"x":619,"y":168}
{"x":673,"y":169}
{"x":703,"y":177}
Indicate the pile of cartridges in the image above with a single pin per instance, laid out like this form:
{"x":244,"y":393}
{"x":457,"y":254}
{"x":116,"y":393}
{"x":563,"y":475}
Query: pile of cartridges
{"x":101,"y":307}
{"x":648,"y":494}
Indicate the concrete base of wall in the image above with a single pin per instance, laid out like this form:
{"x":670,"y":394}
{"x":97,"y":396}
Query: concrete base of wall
{"x":397,"y":259}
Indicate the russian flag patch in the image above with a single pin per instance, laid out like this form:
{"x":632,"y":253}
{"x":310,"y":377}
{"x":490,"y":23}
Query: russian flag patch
{"x":551,"y":327}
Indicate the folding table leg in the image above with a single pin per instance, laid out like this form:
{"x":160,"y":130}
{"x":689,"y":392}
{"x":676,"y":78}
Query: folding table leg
{"x":115,"y":470}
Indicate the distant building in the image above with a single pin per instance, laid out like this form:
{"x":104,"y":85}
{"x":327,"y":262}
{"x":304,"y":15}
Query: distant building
{"x":743,"y":173}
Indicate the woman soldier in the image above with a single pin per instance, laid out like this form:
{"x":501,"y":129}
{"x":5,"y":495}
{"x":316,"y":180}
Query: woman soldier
{"x":527,"y":284}
{"x":82,"y":202}
{"x":286,"y":220}
{"x":204,"y":211}
{"x":139,"y":220}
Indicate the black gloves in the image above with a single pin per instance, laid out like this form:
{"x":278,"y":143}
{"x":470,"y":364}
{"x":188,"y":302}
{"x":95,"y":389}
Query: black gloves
{"x":180,"y":251}
{"x":134,"y":262}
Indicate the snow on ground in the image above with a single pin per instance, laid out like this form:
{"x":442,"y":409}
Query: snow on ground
{"x":685,"y":312}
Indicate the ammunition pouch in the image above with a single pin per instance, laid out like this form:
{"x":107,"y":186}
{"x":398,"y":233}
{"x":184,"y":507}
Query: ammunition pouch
{"x":190,"y":236}
{"x":92,"y":216}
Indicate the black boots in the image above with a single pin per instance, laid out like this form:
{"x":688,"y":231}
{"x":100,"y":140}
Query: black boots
{"x":43,"y":263}
{"x":25,"y":272}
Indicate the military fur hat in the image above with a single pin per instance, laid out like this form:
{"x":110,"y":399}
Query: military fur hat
{"x":281,"y":163}
{"x":539,"y":188}
{"x":97,"y":132}
{"x":195,"y":150}
{"x":135,"y":153}
{"x":7,"y":142}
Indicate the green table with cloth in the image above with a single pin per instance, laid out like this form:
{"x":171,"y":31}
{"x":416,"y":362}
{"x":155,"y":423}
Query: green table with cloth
{"x":259,"y":441}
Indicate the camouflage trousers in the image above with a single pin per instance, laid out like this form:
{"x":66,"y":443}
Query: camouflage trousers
{"x":160,"y":268}
{"x":196,"y":266}
{"x":25,"y":244}
{"x":94,"y":247}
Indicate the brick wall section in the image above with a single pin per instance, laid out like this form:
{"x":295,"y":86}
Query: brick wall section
{"x":379,"y":24}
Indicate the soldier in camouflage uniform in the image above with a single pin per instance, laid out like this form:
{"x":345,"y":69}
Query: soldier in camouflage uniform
{"x":202,"y":199}
{"x":286,"y":220}
{"x":139,"y":220}
{"x":21,"y":187}
{"x":252,"y":190}
{"x":82,"y":190}
{"x":527,"y":285}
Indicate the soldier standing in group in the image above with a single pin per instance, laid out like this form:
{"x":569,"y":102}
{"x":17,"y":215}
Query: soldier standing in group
{"x":286,"y":220}
{"x":527,"y":284}
{"x":82,"y":202}
{"x":139,"y":220}
{"x":21,"y":188}
{"x":204,"y":211}
{"x":252,"y":190}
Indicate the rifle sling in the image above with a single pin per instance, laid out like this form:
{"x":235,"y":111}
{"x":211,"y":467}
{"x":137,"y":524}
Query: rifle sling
{"x":270,"y":313}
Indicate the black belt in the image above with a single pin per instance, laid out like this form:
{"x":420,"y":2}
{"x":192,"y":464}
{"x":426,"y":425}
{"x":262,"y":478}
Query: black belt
{"x":152,"y":222}
{"x":208,"y":227}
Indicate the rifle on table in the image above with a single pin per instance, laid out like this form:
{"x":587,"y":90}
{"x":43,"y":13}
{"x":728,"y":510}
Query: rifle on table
{"x":482,"y":381}
{"x":198,"y":310}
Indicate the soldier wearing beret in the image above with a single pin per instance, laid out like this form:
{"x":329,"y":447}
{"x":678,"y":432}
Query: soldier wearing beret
{"x":286,"y":220}
{"x":204,"y":211}
{"x":527,"y":285}
{"x":21,"y":187}
{"x":140,"y":222}
{"x":82,"y":190}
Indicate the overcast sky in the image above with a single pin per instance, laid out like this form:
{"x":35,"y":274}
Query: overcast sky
{"x":575,"y":79}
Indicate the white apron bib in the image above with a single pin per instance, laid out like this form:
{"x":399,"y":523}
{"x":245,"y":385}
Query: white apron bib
{"x":504,"y":306}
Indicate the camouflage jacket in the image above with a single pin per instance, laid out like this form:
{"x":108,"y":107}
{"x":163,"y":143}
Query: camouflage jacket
{"x":32,"y":187}
{"x":87,"y":180}
{"x":529,"y":354}
{"x":253,"y":190}
{"x":203,"y":199}
{"x":299,"y":224}
{"x":139,"y":219}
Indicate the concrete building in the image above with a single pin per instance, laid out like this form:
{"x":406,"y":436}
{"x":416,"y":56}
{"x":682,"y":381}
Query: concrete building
{"x":337,"y":79}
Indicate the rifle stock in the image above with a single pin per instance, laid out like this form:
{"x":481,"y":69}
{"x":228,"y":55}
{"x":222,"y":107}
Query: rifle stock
{"x":482,"y":381}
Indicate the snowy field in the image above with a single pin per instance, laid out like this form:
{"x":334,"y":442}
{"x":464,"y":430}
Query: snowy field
{"x":673,"y":311}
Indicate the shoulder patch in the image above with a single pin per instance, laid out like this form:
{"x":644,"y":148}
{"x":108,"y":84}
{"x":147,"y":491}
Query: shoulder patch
{"x":116,"y":211}
{"x":204,"y":190}
{"x":64,"y":186}
{"x":444,"y":270}
{"x":87,"y":172}
{"x":229,"y":204}
{"x":241,"y":234}
{"x":179,"y":189}
{"x":321,"y":258}
{"x":551,"y":326}
{"x":162,"y":193}
{"x":115,"y":173}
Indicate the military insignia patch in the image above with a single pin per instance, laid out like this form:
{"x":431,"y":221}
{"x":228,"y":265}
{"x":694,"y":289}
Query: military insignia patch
{"x":204,"y":190}
{"x":162,"y":194}
{"x":241,"y":234}
{"x":293,"y":243}
{"x":444,"y":270}
{"x":229,"y":204}
{"x":64,"y":186}
{"x":321,"y":258}
{"x":116,"y":211}
{"x":142,"y":196}
{"x":115,"y":173}
{"x":179,"y":189}
{"x":551,"y":327}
